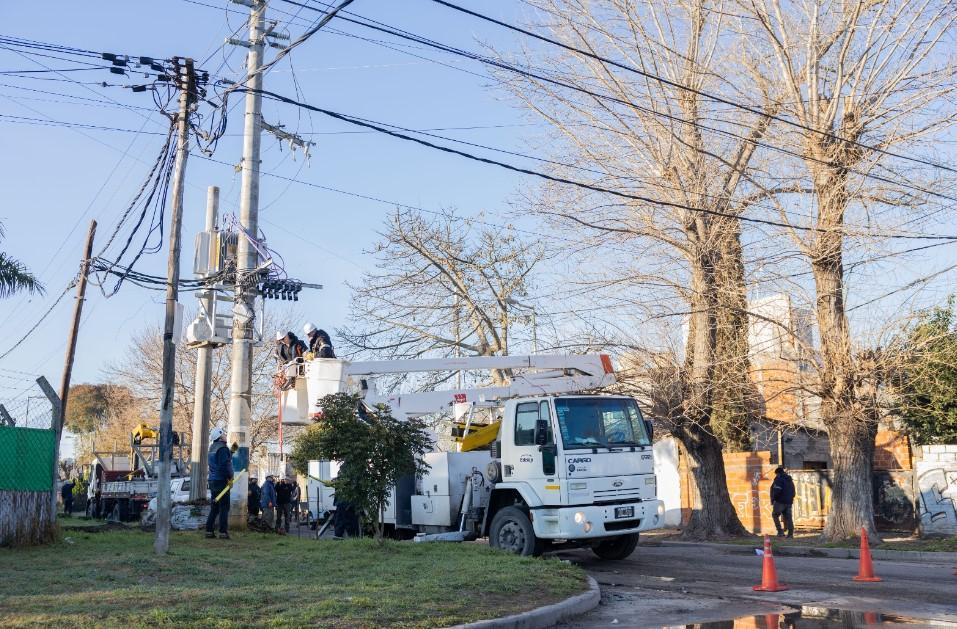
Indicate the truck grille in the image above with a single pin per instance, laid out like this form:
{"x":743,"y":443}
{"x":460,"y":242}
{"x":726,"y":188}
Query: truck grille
{"x":632,"y":493}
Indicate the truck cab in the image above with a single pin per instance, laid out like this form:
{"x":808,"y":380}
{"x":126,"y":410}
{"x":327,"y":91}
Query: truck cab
{"x":572,"y":469}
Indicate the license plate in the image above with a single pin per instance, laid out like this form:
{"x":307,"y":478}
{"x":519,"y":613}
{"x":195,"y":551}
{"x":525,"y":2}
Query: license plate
{"x":624,"y":512}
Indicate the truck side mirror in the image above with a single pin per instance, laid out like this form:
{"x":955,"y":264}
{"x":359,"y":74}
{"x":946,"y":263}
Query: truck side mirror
{"x":650,"y":429}
{"x":541,"y":432}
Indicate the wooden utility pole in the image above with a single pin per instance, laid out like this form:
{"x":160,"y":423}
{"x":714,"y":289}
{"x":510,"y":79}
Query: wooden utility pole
{"x":59,"y":410}
{"x":187,"y":85}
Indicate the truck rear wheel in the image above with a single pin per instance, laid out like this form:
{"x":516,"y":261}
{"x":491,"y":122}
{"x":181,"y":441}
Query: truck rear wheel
{"x":512,"y":531}
{"x":617,"y":547}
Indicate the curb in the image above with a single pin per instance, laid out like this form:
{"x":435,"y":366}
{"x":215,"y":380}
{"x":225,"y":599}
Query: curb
{"x":907,"y":556}
{"x":542,"y":617}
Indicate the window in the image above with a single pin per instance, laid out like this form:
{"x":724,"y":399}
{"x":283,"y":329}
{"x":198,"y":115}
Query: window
{"x":600,"y":421}
{"x":526,"y":414}
{"x":185,"y":485}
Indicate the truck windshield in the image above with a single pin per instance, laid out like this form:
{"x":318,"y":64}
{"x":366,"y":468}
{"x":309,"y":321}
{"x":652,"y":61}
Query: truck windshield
{"x":597,"y":421}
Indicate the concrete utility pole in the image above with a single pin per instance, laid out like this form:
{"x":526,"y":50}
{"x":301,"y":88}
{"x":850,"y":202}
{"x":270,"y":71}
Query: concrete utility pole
{"x":240,"y":384}
{"x":187,"y":85}
{"x":204,"y":376}
{"x":59,"y":415}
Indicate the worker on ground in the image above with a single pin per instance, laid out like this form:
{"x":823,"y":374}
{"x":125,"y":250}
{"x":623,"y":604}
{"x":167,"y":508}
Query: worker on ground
{"x":220,"y":465}
{"x":320,"y":345}
{"x":267,"y":501}
{"x":253,"y":496}
{"x":66,"y":493}
{"x":283,"y":504}
{"x":782,"y":499}
{"x":294,"y":500}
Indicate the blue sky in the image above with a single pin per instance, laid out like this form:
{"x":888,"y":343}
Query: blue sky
{"x":57,"y":178}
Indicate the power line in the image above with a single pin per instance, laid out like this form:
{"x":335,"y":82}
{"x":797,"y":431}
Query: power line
{"x":41,"y":320}
{"x":540,"y":75}
{"x":594,"y":188}
{"x":697,"y":92}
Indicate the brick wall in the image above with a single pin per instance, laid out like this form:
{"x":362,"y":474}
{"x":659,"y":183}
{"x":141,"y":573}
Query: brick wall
{"x":749,"y":476}
{"x":892,"y":450}
{"x":937,"y":489}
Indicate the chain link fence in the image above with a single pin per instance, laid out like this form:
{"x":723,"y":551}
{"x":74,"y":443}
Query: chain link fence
{"x":26,"y":459}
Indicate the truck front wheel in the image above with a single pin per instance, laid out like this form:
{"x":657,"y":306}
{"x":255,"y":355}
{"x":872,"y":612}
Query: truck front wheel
{"x":617,"y":547}
{"x":511,"y":530}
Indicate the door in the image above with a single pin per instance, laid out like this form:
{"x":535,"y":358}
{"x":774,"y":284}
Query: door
{"x":532,"y":459}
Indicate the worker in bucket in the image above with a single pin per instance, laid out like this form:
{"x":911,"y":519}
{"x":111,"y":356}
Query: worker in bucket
{"x":220,"y":463}
{"x":320,"y":345}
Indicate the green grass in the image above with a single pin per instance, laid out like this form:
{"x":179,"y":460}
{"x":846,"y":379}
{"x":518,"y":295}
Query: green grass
{"x":113,"y":579}
{"x":73,"y":521}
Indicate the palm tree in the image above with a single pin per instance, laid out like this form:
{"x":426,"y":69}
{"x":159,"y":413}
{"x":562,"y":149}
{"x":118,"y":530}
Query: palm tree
{"x":14,"y":276}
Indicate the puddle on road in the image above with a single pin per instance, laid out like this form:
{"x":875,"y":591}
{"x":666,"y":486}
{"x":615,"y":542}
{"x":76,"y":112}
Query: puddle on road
{"x":818,"y":617}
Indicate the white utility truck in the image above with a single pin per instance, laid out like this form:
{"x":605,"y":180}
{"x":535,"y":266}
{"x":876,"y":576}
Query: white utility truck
{"x":538,"y":464}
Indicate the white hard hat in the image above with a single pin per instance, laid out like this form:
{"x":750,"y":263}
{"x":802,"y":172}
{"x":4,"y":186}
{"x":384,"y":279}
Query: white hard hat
{"x":309,"y":328}
{"x":216,"y":433}
{"x":280,"y":335}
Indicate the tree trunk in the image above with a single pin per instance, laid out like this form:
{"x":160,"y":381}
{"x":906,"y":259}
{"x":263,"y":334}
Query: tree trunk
{"x":850,"y":432}
{"x":852,"y":493}
{"x":712,"y":515}
{"x":734,"y":396}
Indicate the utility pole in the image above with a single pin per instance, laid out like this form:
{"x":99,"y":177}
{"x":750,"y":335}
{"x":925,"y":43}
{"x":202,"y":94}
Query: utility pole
{"x":59,"y":415}
{"x":187,"y":84}
{"x":240,"y":384}
{"x":204,"y":376}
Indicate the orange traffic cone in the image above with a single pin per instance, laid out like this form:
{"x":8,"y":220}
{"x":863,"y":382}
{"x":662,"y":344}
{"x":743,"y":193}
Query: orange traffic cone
{"x":866,"y":572}
{"x":769,"y":574}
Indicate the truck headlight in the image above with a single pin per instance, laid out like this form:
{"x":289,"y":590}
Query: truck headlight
{"x":579,"y":517}
{"x":661,"y":509}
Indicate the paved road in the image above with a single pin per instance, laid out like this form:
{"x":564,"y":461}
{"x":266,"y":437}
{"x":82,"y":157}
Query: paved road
{"x":667,"y":585}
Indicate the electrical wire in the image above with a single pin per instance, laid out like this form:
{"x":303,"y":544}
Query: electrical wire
{"x":691,"y":90}
{"x":583,"y":185}
{"x":40,"y":320}
{"x":540,"y":75}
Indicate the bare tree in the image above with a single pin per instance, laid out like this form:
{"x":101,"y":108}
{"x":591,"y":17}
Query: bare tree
{"x":141,"y":371}
{"x":675,"y":248}
{"x":863,"y":81}
{"x":445,"y":286}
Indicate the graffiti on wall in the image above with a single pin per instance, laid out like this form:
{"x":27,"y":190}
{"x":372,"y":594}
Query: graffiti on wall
{"x":938,"y":498}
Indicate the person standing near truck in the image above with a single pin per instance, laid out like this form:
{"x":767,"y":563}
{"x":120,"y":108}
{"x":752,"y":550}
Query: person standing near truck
{"x":66,"y":493}
{"x":782,"y":500}
{"x":220,"y":463}
{"x":268,"y":501}
{"x":283,"y":504}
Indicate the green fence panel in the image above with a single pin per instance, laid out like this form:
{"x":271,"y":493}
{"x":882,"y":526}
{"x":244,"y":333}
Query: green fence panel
{"x":26,"y":459}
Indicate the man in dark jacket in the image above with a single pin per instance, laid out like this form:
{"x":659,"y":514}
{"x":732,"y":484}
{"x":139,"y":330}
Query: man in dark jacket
{"x":253,"y":496}
{"x":66,"y":493}
{"x":283,"y":504}
{"x":220,"y":473}
{"x":319,"y":342}
{"x":268,"y":501}
{"x":782,"y":498}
